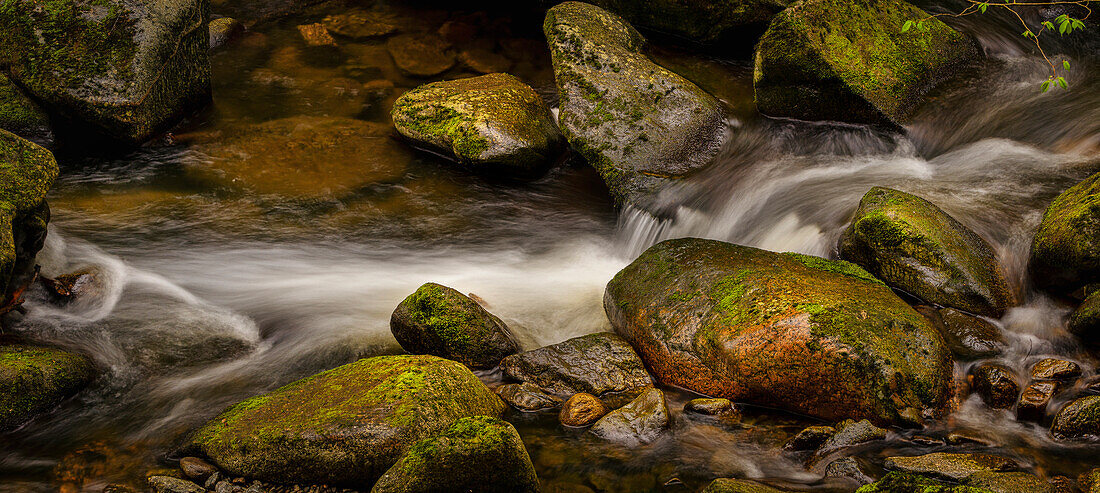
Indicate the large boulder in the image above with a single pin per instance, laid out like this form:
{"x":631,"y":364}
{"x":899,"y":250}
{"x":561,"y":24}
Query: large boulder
{"x":347,"y":425}
{"x":473,"y":454}
{"x":492,"y":121}
{"x":951,"y":466}
{"x":805,"y":334}
{"x":125,"y":68}
{"x":914,"y":246}
{"x":900,"y":482}
{"x":636,"y":122}
{"x":601,"y":364}
{"x":21,"y":116}
{"x":1085,"y":320}
{"x":729,"y":25}
{"x":1065,"y":254}
{"x":1078,"y":419}
{"x":26,"y":173}
{"x":33,"y":380}
{"x":441,"y":321}
{"x":850,"y":61}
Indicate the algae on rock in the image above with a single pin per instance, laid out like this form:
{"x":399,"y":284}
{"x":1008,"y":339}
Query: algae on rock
{"x":1065,"y":254}
{"x":34,"y":380}
{"x":26,"y":173}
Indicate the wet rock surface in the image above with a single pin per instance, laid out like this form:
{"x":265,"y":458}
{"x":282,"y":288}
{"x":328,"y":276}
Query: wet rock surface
{"x":34,"y":379}
{"x":760,"y":333}
{"x":1080,"y":419}
{"x":810,"y":438}
{"x":1055,"y":369}
{"x":969,"y":337}
{"x":1034,"y":400}
{"x":600,"y":364}
{"x":527,"y":397}
{"x":995,"y":384}
{"x":638,"y":423}
{"x":849,"y":433}
{"x":637,"y":136}
{"x":1065,"y":254}
{"x":951,"y":466}
{"x":26,"y":173}
{"x":581,"y":410}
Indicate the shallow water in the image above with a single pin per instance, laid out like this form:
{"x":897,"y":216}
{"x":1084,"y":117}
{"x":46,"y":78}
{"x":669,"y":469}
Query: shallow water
{"x":218,"y":282}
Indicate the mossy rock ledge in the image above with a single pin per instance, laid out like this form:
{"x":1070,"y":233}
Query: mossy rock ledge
{"x":347,"y":425}
{"x":730,"y":26}
{"x":443,"y":322}
{"x":914,"y":246}
{"x":27,"y":172}
{"x":850,"y":61}
{"x":121,"y":68}
{"x":21,"y":116}
{"x":1065,"y":254}
{"x":639,"y":124}
{"x":473,"y":454}
{"x":33,"y":380}
{"x":800,"y":333}
{"x":494,"y":121}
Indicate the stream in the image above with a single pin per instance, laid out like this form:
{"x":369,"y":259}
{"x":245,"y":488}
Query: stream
{"x":212,"y":287}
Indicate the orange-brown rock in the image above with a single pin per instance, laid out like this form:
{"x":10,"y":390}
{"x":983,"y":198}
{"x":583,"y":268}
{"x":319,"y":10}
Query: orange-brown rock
{"x":582,"y":410}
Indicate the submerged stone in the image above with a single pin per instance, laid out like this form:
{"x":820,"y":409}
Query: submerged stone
{"x":27,"y":172}
{"x":125,"y":68}
{"x":527,"y":397}
{"x":951,"y":466}
{"x":492,"y":121}
{"x":34,"y":380}
{"x":850,"y":61}
{"x":473,"y":454}
{"x":600,"y":364}
{"x":347,"y":425}
{"x":810,"y":438}
{"x":914,"y":246}
{"x":639,"y":124}
{"x":421,"y":55}
{"x":443,"y":322}
{"x":1079,"y":419}
{"x":638,"y":423}
{"x":800,"y":333}
{"x":1065,"y":254}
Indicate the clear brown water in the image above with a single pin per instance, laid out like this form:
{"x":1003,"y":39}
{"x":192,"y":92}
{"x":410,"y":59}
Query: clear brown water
{"x":217,"y":286}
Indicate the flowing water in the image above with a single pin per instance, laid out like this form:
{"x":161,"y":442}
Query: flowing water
{"x":217,"y":281}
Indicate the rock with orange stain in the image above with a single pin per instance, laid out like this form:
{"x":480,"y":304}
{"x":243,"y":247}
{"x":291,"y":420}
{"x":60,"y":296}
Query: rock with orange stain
{"x":800,"y":333}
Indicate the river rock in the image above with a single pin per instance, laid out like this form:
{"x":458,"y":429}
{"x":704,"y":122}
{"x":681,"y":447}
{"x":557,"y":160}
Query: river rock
{"x":638,"y":423}
{"x":168,"y":484}
{"x":1085,"y":321}
{"x":1055,"y":369}
{"x":492,"y":121}
{"x":21,"y":116}
{"x":301,"y":157}
{"x":995,"y":384}
{"x":27,"y":172}
{"x":421,"y":55}
{"x":1009,"y":482}
{"x":914,"y":246}
{"x":197,"y":469}
{"x":74,"y":285}
{"x":980,"y":482}
{"x":796,"y":332}
{"x":719,"y":408}
{"x":527,"y":397}
{"x":810,"y":438}
{"x":848,"y":468}
{"x":1065,"y":254}
{"x":851,"y":62}
{"x":723,"y":485}
{"x":600,"y":364}
{"x":223,"y":30}
{"x":951,"y":466}
{"x":1034,"y":400}
{"x":1089,"y":481}
{"x":1078,"y":419}
{"x":441,"y":321}
{"x":346,"y":425}
{"x":850,"y":433}
{"x":127,"y":71}
{"x":971,"y":337}
{"x":581,"y":410}
{"x":34,"y":380}
{"x":730,"y":26}
{"x":361,"y":24}
{"x":474,"y":454}
{"x":637,"y":135}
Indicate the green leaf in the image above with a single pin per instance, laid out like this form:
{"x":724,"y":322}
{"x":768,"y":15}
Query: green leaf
{"x":1062,"y":82}
{"x":1061,"y":18}
{"x":1065,"y":64}
{"x":1048,"y":25}
{"x":1045,"y":86}
{"x":908,"y":24}
{"x":983,"y":6}
{"x":1062,"y":28}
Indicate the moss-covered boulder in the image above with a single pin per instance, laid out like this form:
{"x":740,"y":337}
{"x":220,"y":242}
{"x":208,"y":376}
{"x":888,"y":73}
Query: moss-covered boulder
{"x":493,"y":121}
{"x":818,"y":337}
{"x":601,"y":364}
{"x":636,"y":122}
{"x":850,"y":61}
{"x":724,"y":485}
{"x":26,"y":173}
{"x":900,"y":482}
{"x":1065,"y":254}
{"x":347,"y":425}
{"x":21,"y":116}
{"x":123,"y":68}
{"x":729,"y":26}
{"x":951,"y":466}
{"x":1085,"y":321}
{"x":914,"y":246}
{"x":33,"y":380}
{"x":473,"y":454}
{"x":441,"y":321}
{"x":1078,"y":419}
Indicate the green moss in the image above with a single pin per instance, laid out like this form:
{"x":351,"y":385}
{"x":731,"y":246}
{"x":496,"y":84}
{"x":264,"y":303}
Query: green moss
{"x":17,"y":112}
{"x":27,"y":172}
{"x":33,"y":380}
{"x":1079,"y":419}
{"x":837,"y":266}
{"x":1065,"y":254}
{"x":897,"y":482}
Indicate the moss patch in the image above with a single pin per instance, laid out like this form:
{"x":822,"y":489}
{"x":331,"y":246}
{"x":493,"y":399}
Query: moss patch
{"x":1065,"y":254}
{"x":34,"y":380}
{"x":441,"y":321}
